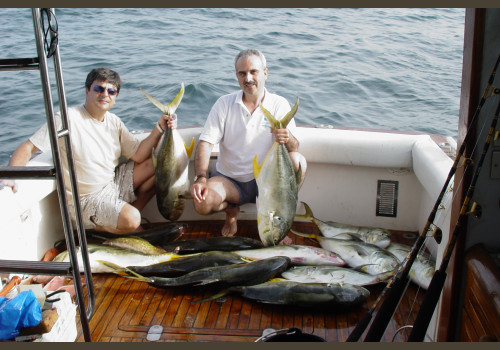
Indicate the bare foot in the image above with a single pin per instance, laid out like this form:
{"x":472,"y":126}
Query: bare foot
{"x":286,"y":241}
{"x":230,"y":226}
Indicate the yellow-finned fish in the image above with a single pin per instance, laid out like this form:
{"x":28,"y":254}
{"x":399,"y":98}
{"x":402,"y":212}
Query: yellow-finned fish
{"x":136,"y":244}
{"x":118,"y":256}
{"x":423,"y":267}
{"x":278,"y":186}
{"x":171,"y":165}
{"x":367,"y":257}
{"x":372,"y":235}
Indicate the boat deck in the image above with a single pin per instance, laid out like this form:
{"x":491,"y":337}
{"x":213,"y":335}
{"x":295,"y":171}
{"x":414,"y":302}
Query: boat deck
{"x":126,"y":309}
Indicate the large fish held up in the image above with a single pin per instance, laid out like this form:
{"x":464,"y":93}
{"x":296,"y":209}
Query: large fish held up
{"x":278,"y":186}
{"x":372,"y":235}
{"x":171,"y":165}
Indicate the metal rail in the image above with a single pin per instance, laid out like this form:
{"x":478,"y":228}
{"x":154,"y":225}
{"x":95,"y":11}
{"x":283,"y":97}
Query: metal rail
{"x":55,"y":172}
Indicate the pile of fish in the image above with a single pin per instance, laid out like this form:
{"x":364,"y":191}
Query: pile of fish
{"x":332,"y":275}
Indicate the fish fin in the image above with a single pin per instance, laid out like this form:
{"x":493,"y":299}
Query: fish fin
{"x":308,"y":235}
{"x":189,"y":150}
{"x":172,"y":106}
{"x":123,"y":271}
{"x":157,"y":103}
{"x":308,"y":215}
{"x":153,"y":157}
{"x":286,"y":119}
{"x":274,"y":123}
{"x":362,"y":268}
{"x":213,"y":297}
{"x":256,"y":167}
{"x":298,"y":175}
{"x":277,"y":279}
{"x":246,"y":259}
{"x":280,"y":124}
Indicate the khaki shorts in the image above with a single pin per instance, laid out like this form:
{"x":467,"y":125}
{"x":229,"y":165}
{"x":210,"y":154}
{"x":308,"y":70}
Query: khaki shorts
{"x":103,"y":207}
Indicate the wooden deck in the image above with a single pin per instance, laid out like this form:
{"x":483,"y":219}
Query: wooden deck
{"x":126,"y":309}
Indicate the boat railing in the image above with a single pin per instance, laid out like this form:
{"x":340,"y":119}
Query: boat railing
{"x":49,"y":37}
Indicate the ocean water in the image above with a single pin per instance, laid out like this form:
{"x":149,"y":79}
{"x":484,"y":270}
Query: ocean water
{"x":397,"y":69}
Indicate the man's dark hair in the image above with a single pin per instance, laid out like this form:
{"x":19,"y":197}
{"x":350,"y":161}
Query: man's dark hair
{"x":101,"y":74}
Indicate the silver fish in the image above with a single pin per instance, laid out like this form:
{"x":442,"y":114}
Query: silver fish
{"x":118,"y":256}
{"x":282,"y":292}
{"x":423,"y":267}
{"x":368,"y":257}
{"x":171,"y":165}
{"x":278,"y":186}
{"x":298,"y":254}
{"x":333,"y":274}
{"x":372,"y":235}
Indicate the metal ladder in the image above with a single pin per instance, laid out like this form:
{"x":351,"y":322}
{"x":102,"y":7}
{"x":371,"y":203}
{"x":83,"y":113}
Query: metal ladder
{"x":55,"y":172}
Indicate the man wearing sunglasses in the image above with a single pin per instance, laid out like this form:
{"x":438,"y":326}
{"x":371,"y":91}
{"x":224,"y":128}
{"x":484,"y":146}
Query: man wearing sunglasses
{"x":114,"y":169}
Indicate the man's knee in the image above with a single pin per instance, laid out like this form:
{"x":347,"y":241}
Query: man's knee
{"x":129,"y":219}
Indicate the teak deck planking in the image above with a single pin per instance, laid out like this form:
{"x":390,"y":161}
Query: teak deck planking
{"x":125,"y":309}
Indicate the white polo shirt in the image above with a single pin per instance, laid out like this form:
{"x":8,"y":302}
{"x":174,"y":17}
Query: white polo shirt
{"x":242,"y":135}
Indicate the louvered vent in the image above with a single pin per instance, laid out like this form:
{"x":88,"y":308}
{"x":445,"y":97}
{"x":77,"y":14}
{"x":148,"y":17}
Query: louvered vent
{"x":387,"y":198}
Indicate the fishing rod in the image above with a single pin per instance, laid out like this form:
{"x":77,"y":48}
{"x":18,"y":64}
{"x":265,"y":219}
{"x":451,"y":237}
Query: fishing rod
{"x":435,"y":287}
{"x":398,"y":283}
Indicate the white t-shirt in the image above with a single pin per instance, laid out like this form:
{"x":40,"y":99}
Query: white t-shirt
{"x":97,"y":147}
{"x":242,"y":135}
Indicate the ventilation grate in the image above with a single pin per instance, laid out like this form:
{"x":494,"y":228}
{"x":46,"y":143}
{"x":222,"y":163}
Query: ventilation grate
{"x":387,"y":198}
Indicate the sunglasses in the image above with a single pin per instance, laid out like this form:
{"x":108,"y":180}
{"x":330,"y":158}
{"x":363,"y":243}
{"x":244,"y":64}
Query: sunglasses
{"x":101,"y":89}
{"x":50,"y":47}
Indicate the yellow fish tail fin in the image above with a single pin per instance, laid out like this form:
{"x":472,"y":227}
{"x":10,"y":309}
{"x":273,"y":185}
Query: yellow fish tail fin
{"x":274,"y":123}
{"x":308,"y":215}
{"x":172,"y":106}
{"x":256,"y":167}
{"x":286,"y":119}
{"x":189,"y":149}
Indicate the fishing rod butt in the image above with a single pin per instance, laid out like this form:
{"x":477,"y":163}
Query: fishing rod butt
{"x":427,"y":308}
{"x":360,"y":328}
{"x":386,"y":311}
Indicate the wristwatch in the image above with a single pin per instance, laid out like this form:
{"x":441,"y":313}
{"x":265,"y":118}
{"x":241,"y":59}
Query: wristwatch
{"x":198,"y":177}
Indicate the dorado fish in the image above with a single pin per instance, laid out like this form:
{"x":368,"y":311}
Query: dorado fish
{"x":423,"y":267}
{"x":119,"y":256}
{"x":188,"y":263}
{"x":135,"y":244}
{"x":171,"y":165}
{"x":372,"y":235}
{"x":197,"y":245}
{"x":298,"y":254}
{"x":284,"y":292}
{"x":333,"y":274}
{"x":254,"y":272}
{"x":278,"y":186}
{"x":367,"y":257}
{"x":156,"y":235}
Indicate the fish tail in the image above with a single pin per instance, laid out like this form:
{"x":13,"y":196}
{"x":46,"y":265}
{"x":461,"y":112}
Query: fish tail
{"x":308,"y":215}
{"x":286,"y":119}
{"x":308,"y":235}
{"x":213,"y":297}
{"x":189,"y":150}
{"x":172,"y":106}
{"x":123,"y":271}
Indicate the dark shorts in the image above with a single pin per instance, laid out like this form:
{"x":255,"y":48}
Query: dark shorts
{"x":248,"y":190}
